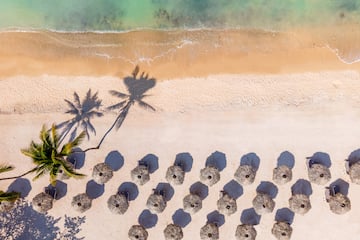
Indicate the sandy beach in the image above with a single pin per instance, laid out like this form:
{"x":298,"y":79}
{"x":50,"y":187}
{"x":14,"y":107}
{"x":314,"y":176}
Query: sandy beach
{"x":236,"y":114}
{"x":179,"y":54}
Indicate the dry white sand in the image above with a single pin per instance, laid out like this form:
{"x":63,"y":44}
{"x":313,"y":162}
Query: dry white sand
{"x":235,"y":114}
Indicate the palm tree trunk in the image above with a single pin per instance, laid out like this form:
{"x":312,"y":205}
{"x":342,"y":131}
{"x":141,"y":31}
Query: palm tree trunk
{"x":26,"y":173}
{"x":118,"y":122}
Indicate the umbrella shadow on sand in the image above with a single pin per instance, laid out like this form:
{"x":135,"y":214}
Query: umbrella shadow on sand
{"x":181,"y":218}
{"x":151,"y":161}
{"x":216,"y":217}
{"x":200,"y":189}
{"x":147,"y":219}
{"x":184,"y":160}
{"x":284,"y":215}
{"x":77,"y":158}
{"x":166,"y":190}
{"x":216,"y":159}
{"x":20,"y":185}
{"x":340,"y":186}
{"x":286,"y":158}
{"x":114,"y":160}
{"x":94,"y":190}
{"x":319,"y":158}
{"x":302,"y":186}
{"x":233,"y":189}
{"x":354,"y":157}
{"x":268,"y":188}
{"x":250,"y":159}
{"x":130,"y":189}
{"x":250,"y":217}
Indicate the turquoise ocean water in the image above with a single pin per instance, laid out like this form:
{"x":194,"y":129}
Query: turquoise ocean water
{"x":127,"y":15}
{"x":123,"y":15}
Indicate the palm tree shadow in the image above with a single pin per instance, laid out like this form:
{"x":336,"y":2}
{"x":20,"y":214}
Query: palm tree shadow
{"x":82,"y":112}
{"x":136,"y":85}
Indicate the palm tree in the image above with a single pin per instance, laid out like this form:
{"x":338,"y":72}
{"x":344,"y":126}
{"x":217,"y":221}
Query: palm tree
{"x":83,"y":111}
{"x":8,"y":196}
{"x":48,"y":156}
{"x":136,"y":86}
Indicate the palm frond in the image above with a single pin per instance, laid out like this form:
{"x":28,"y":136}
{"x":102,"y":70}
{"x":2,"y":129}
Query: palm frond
{"x":118,"y":94}
{"x":73,"y":108}
{"x":9,"y":196}
{"x":55,"y":136}
{"x":77,"y":100}
{"x":69,"y":170}
{"x":5,"y":168}
{"x":145,"y":105}
{"x":92,"y":114}
{"x":45,"y":137}
{"x":117,"y":106}
{"x":67,"y":148}
{"x":91,"y":127}
{"x":135,"y":71}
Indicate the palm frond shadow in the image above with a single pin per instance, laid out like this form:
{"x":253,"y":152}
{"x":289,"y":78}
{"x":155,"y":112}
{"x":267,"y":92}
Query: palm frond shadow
{"x":82,"y":111}
{"x":137,"y":85}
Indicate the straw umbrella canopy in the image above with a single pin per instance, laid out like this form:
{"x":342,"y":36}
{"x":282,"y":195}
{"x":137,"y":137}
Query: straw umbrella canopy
{"x":81,"y":202}
{"x":354,"y":172}
{"x":245,"y":232}
{"x":137,"y":232}
{"x":319,"y":174}
{"x":299,"y":203}
{"x":282,"y":174}
{"x":140,"y":175}
{"x":339,"y":203}
{"x":173,"y":232}
{"x":118,"y":203}
{"x":226,"y":204}
{"x":245,"y":174}
{"x":209,"y":232}
{"x":62,"y":174}
{"x":102,"y":173}
{"x":156,"y":203}
{"x":209,"y":175}
{"x":42,"y":202}
{"x":6,"y":206}
{"x":263,"y":203}
{"x":282,"y":230}
{"x":192,"y":203}
{"x":175,"y":175}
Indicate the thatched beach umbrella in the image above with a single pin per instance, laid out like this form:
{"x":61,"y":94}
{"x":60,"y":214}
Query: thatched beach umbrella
{"x":102,"y":173}
{"x":140,"y":175}
{"x":173,"y":232}
{"x":299,"y":203}
{"x":226,"y":204}
{"x":282,"y":174}
{"x":209,"y":232}
{"x":81,"y":202}
{"x":118,"y":203}
{"x":245,"y":174}
{"x":137,"y":232}
{"x":282,"y":230}
{"x":339,"y":203}
{"x":175,"y":175}
{"x":245,"y":232}
{"x":319,"y":174}
{"x":6,"y":206}
{"x":263,"y":203}
{"x":42,"y":202}
{"x":192,"y":203}
{"x":209,"y":175}
{"x":354,"y":172}
{"x":156,"y":203}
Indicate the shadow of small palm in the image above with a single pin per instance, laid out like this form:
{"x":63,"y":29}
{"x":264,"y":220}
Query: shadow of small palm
{"x":83,"y":111}
{"x":136,"y":85}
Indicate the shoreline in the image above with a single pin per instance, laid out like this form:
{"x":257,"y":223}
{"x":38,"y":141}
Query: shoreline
{"x":172,"y":54}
